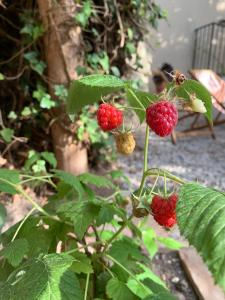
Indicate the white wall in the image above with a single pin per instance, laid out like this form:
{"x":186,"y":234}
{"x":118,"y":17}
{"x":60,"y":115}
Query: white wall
{"x":176,"y":35}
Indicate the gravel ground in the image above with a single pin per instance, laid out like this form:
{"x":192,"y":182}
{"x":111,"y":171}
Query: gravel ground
{"x":193,"y":158}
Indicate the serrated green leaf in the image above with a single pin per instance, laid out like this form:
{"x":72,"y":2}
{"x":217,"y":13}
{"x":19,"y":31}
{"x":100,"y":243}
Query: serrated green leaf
{"x":96,"y":180}
{"x":149,"y":240}
{"x":15,"y":251}
{"x":140,"y":100}
{"x":3,"y":215}
{"x":71,"y":180}
{"x":50,"y":158}
{"x":7,"y":177}
{"x":157,"y":289}
{"x":90,"y":89}
{"x":81,"y":213}
{"x":117,"y":290}
{"x":170,"y":243}
{"x":81,"y":264}
{"x":201,"y":219}
{"x":7,"y":134}
{"x":106,"y":214}
{"x":161,"y":296}
{"x":192,"y":86}
{"x":44,"y":278}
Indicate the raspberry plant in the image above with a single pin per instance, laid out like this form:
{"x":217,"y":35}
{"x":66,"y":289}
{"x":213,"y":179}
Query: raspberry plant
{"x":81,"y":245}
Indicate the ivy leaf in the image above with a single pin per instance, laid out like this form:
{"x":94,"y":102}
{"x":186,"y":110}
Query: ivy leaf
{"x":170,"y":243}
{"x":117,"y":290}
{"x":82,"y":263}
{"x":7,"y":134}
{"x":71,"y":180}
{"x":2,"y":77}
{"x":140,"y":100}
{"x":96,"y":180}
{"x":192,"y":86}
{"x":43,"y":278}
{"x":81,"y":213}
{"x":15,"y":251}
{"x":201,"y":219}
{"x":90,"y":89}
{"x":8,"y":178}
{"x":82,"y":17}
{"x":3,"y":215}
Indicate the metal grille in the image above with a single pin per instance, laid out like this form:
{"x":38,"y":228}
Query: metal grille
{"x":209,"y":47}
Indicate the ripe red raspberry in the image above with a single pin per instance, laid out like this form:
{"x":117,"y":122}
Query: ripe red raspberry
{"x":162,"y":117}
{"x":164,"y":210}
{"x":109,"y":117}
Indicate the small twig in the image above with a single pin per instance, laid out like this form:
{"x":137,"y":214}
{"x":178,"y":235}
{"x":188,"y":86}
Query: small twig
{"x":122,"y":35}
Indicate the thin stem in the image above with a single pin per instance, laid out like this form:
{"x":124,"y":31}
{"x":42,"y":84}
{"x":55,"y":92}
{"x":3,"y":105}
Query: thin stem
{"x":162,"y":173}
{"x":22,"y":222}
{"x":127,"y":271}
{"x":86,"y":287}
{"x":145,"y":163}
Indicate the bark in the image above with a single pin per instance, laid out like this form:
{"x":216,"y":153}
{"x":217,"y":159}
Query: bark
{"x":62,"y":43}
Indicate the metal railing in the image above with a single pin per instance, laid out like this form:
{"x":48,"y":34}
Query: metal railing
{"x":209,"y":47}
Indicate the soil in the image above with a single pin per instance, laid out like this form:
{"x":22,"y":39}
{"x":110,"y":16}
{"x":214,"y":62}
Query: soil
{"x":168,"y":266}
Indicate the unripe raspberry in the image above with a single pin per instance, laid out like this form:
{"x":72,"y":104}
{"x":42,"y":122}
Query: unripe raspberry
{"x":197,"y":105}
{"x":164,"y":210}
{"x":162,"y":117}
{"x":109,"y":117}
{"x":125,"y":143}
{"x":140,"y":212}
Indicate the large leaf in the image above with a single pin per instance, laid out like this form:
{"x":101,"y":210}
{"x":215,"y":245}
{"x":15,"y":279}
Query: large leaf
{"x":192,"y":86}
{"x":15,"y":251}
{"x":117,"y":290}
{"x":140,"y":100}
{"x":8,"y":178}
{"x":81,"y":213}
{"x":90,"y":89}
{"x":71,"y":180}
{"x":82,"y":263}
{"x":96,"y":180}
{"x":43,"y":278}
{"x":201,"y":219}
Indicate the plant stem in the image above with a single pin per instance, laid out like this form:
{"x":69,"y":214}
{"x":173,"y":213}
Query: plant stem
{"x":22,"y":222}
{"x":145,"y":162}
{"x":163,"y":173}
{"x":86,"y":287}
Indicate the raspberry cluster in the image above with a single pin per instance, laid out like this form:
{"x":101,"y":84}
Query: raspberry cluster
{"x":164,"y":210}
{"x":109,"y":117}
{"x":162,"y":117}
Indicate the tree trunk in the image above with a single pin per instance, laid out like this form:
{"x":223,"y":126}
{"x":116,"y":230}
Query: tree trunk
{"x":62,"y":43}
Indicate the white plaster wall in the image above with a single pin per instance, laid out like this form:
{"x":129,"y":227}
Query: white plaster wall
{"x":176,"y":36}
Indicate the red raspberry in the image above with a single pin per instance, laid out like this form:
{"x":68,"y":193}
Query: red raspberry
{"x":164,"y":210}
{"x":162,"y":117}
{"x":109,"y":117}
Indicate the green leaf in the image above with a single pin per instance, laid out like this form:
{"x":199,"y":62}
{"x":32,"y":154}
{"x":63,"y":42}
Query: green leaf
{"x":192,"y":86}
{"x":117,"y":290}
{"x":82,"y":17}
{"x":2,"y":77}
{"x":170,"y":243}
{"x":26,"y":111}
{"x":96,"y":180}
{"x":43,"y":278}
{"x":149,"y":240}
{"x":3,"y":215}
{"x":71,"y":180}
{"x":8,"y":178}
{"x":201,"y":219}
{"x":82,"y":263}
{"x":50,"y":158}
{"x":15,"y":251}
{"x":90,"y":89}
{"x":161,"y":296}
{"x":7,"y":134}
{"x":140,"y":100}
{"x":12,"y":115}
{"x":81,"y":213}
{"x":106,"y":214}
